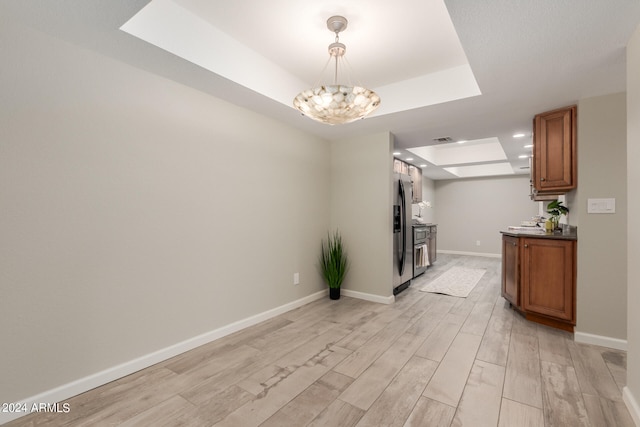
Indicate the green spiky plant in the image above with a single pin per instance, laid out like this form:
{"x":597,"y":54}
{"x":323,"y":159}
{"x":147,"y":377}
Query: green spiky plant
{"x":333,"y":260}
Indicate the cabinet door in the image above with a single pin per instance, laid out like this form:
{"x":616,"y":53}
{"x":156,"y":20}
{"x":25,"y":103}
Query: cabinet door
{"x":400,"y":167}
{"x":554,"y":151}
{"x":510,"y":269}
{"x":548,"y":278}
{"x":416,"y":179}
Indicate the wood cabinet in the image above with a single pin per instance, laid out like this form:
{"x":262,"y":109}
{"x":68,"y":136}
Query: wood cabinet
{"x":400,"y":167}
{"x":539,"y":279}
{"x":554,"y":168}
{"x":416,"y":177}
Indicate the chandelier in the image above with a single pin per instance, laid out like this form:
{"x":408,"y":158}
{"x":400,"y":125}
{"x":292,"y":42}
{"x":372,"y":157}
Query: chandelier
{"x":336,"y":103}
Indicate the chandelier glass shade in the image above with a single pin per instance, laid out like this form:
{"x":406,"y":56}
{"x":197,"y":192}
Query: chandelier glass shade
{"x":336,"y":103}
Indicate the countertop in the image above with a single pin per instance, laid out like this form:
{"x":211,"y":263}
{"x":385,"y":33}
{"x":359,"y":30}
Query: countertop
{"x":541,"y":234}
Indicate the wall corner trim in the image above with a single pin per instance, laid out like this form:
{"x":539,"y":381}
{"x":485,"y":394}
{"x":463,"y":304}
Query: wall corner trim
{"x":585,"y":338}
{"x":632,"y":405}
{"x":368,"y":297}
{"x":97,"y":379}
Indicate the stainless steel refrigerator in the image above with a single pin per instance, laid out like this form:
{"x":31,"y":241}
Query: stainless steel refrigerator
{"x":402,"y":232}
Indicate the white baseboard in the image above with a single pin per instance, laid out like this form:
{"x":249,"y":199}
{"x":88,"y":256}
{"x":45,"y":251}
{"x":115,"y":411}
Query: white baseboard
{"x":368,"y":297}
{"x":632,"y":405}
{"x":600,"y":340}
{"x":74,"y":388}
{"x":484,"y":254}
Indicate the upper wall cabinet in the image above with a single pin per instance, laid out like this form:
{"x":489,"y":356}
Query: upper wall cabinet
{"x":400,"y":167}
{"x":416,"y":180}
{"x":416,"y":177}
{"x":554,"y":152}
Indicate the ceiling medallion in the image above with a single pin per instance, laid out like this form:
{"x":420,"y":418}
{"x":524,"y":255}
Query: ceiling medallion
{"x":336,"y":103}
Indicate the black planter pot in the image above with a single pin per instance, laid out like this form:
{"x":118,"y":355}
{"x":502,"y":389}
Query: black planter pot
{"x":334,"y":293}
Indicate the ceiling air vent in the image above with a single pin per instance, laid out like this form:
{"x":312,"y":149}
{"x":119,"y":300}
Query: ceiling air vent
{"x":444,"y":139}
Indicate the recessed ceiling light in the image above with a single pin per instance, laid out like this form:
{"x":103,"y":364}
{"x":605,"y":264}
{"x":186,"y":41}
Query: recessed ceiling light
{"x":518,"y":135}
{"x":462,"y":141}
{"x":409,"y":159}
{"x":396,"y":153}
{"x":528,"y":146}
{"x":423,"y":166}
{"x":523,"y":156}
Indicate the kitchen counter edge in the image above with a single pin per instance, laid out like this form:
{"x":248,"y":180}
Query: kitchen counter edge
{"x":557,"y":235}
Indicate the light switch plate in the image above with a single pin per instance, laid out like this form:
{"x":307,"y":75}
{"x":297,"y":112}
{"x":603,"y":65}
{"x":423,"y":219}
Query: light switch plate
{"x":601,"y":206}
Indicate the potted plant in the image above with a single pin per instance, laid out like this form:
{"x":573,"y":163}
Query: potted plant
{"x":333,"y":263}
{"x":556,"y":209}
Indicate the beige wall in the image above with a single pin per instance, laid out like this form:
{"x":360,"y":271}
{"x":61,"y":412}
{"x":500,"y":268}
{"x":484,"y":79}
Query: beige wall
{"x":136,"y":213}
{"x":361,"y":187}
{"x":602,"y":238}
{"x":632,"y":392}
{"x":469,"y":210}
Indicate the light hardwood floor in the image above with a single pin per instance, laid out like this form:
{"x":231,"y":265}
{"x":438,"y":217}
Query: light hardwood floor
{"x":427,"y":360}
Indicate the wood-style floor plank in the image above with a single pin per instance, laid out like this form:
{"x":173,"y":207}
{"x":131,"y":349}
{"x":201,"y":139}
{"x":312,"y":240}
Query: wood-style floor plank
{"x":592,"y":372}
{"x":553,"y":345}
{"x":426,"y":360}
{"x":514,"y":414}
{"x":393,"y":407}
{"x":522,"y":380}
{"x":477,"y":320}
{"x":448,"y":381}
{"x":495,"y":342}
{"x":439,"y":341}
{"x":616,"y":361}
{"x":311,"y":402}
{"x":563,"y":402}
{"x":605,"y":412}
{"x":339,"y":413}
{"x":482,"y":396}
{"x":172,"y":412}
{"x":365,"y":355}
{"x":280,"y":392}
{"x":432,"y":413}
{"x":215,"y":407}
{"x":368,"y":386}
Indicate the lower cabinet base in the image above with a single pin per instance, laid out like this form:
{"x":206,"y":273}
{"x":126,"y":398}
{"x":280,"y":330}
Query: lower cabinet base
{"x":543,"y":320}
{"x":549,"y":322}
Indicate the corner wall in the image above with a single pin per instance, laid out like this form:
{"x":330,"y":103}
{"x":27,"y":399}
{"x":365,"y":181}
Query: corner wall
{"x":602,"y":238}
{"x":631,"y":392}
{"x":361,"y":187}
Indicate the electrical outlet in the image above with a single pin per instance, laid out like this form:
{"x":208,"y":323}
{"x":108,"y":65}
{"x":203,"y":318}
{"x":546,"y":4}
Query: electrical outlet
{"x":296,"y":278}
{"x":477,"y":242}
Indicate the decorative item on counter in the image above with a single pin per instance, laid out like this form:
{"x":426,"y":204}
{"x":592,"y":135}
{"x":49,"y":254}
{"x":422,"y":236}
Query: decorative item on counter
{"x":556,"y":209}
{"x":549,"y":225}
{"x":421,"y":205}
{"x":334,"y":263}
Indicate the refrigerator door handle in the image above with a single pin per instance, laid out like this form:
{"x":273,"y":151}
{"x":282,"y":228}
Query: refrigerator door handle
{"x":404,"y":226}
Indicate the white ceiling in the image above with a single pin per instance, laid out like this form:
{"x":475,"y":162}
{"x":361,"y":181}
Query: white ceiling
{"x":524,"y":56}
{"x":418,"y":69}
